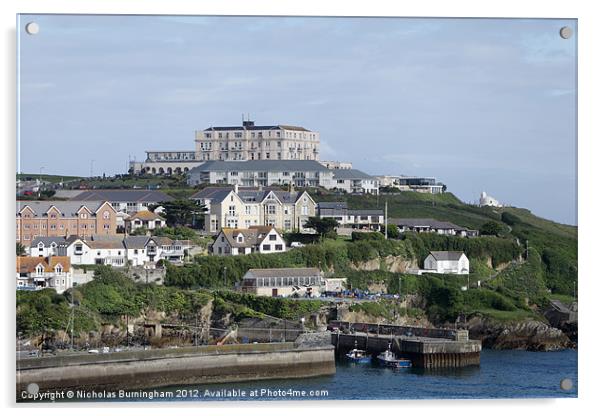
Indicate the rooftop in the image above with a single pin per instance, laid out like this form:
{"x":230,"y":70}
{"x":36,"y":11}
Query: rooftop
{"x":262,"y":166}
{"x":351,"y":174}
{"x":447,"y":255}
{"x":67,"y":208}
{"x":250,"y":125}
{"x":123,"y":195}
{"x":285,"y":272}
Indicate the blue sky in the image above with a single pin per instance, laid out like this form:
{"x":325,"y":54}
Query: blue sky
{"x":482,"y":104}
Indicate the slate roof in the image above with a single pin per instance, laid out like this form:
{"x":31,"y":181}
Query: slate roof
{"x":248,"y":194}
{"x":332,"y":205}
{"x":286,"y":272}
{"x":253,"y":235}
{"x":48,"y":240}
{"x":123,"y":195}
{"x":447,"y":255}
{"x":105,"y":242}
{"x":135,"y":241}
{"x":262,"y":166}
{"x":366,"y":212}
{"x":67,"y":208}
{"x":254,"y":127}
{"x":351,"y":174}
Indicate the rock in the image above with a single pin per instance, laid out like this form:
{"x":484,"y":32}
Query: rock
{"x":313,"y":340}
{"x":526,"y":335}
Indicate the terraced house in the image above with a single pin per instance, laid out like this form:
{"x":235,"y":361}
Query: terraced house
{"x":234,"y":207}
{"x":63,"y":219}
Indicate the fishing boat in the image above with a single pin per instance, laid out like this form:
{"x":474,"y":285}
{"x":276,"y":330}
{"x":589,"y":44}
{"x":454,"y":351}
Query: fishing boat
{"x":389,"y":359}
{"x":358,"y":356}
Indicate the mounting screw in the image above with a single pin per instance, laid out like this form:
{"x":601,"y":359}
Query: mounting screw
{"x":566,"y":32}
{"x":566,"y":384}
{"x":32,"y":28}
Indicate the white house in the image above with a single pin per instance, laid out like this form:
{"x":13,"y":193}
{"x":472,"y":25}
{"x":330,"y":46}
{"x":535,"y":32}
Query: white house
{"x":448,"y":262}
{"x":146,"y":219}
{"x":354,"y":181}
{"x":352,"y":218}
{"x":488,"y":201}
{"x":255,"y":239}
{"x":45,"y":246}
{"x":125,"y":200}
{"x":36,"y":273}
{"x":285,"y":282}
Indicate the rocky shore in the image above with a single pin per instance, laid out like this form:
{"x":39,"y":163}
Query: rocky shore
{"x":528,"y":335}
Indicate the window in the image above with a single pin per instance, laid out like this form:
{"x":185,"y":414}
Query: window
{"x":39,"y":269}
{"x":106,"y":215}
{"x":267,"y":247}
{"x":278,"y":247}
{"x":271,"y":209}
{"x":272,"y":237}
{"x":58,"y":268}
{"x":83,"y":215}
{"x":304,"y":210}
{"x":248,"y":209}
{"x":232,"y":210}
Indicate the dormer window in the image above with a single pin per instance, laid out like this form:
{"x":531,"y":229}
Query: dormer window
{"x":58,"y":268}
{"x":39,"y":269}
{"x":53,"y":245}
{"x":41,"y":246}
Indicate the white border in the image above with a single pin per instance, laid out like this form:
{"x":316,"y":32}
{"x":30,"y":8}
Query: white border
{"x":589,"y":170}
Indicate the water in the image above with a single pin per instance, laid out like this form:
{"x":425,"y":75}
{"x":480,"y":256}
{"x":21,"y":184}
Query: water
{"x":502,"y":374}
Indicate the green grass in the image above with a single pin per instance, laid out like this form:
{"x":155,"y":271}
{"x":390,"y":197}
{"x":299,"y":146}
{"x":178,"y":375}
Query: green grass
{"x":48,"y":178}
{"x":566,"y":299}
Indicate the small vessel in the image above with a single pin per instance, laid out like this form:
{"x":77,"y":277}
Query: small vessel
{"x":389,"y":359}
{"x":358,"y":356}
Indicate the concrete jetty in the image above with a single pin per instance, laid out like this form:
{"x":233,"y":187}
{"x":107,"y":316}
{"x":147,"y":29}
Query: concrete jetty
{"x":130,"y":370}
{"x":425,"y":347}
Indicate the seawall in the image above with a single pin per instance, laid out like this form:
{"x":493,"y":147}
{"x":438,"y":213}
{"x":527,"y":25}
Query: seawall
{"x":183,"y":366}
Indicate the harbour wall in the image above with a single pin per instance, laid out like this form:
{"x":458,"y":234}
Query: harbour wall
{"x":172,"y":367}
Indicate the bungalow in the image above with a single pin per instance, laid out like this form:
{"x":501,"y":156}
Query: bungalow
{"x":430,"y":225}
{"x":146,"y":219}
{"x":446,"y":262}
{"x":255,"y":239}
{"x":285,"y":282}
{"x":36,"y":273}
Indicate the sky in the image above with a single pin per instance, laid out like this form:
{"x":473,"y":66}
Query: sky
{"x":481,"y":104}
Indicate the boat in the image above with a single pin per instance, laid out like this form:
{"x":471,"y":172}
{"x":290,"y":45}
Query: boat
{"x":389,"y":359}
{"x":358,"y":356}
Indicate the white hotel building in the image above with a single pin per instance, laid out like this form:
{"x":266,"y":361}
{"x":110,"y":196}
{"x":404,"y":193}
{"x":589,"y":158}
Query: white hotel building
{"x":237,"y":143}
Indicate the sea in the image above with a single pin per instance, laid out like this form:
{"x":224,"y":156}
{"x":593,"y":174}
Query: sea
{"x":501,"y":375}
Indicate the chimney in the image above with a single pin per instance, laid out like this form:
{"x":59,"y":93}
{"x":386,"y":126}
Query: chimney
{"x":248,"y":123}
{"x":236,"y":188}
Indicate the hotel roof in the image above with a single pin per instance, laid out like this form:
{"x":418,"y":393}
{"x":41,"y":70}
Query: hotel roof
{"x":351,"y":174}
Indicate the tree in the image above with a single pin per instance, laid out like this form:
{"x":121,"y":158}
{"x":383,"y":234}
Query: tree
{"x":323,"y":226}
{"x":491,"y":228}
{"x":182,"y":212}
{"x":392,"y":231}
{"x":21,"y":250}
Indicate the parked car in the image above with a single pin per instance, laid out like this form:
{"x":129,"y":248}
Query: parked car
{"x":296,"y":244}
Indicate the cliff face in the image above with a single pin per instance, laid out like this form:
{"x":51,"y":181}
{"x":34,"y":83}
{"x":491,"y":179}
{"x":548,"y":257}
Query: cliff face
{"x":393,"y":264}
{"x":526,"y":335}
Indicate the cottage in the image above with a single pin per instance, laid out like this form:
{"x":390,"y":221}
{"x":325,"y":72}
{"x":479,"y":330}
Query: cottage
{"x":36,"y":273}
{"x":285,"y":282}
{"x":447,"y":262}
{"x":255,"y":239}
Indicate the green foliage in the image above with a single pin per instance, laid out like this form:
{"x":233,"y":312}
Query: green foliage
{"x":21,"y":250}
{"x":323,"y":226}
{"x":183,"y":212}
{"x":510,"y":219}
{"x":278,"y":307}
{"x":500,"y":250}
{"x":392,"y":231}
{"x":359,"y":236}
{"x":491,"y":228}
